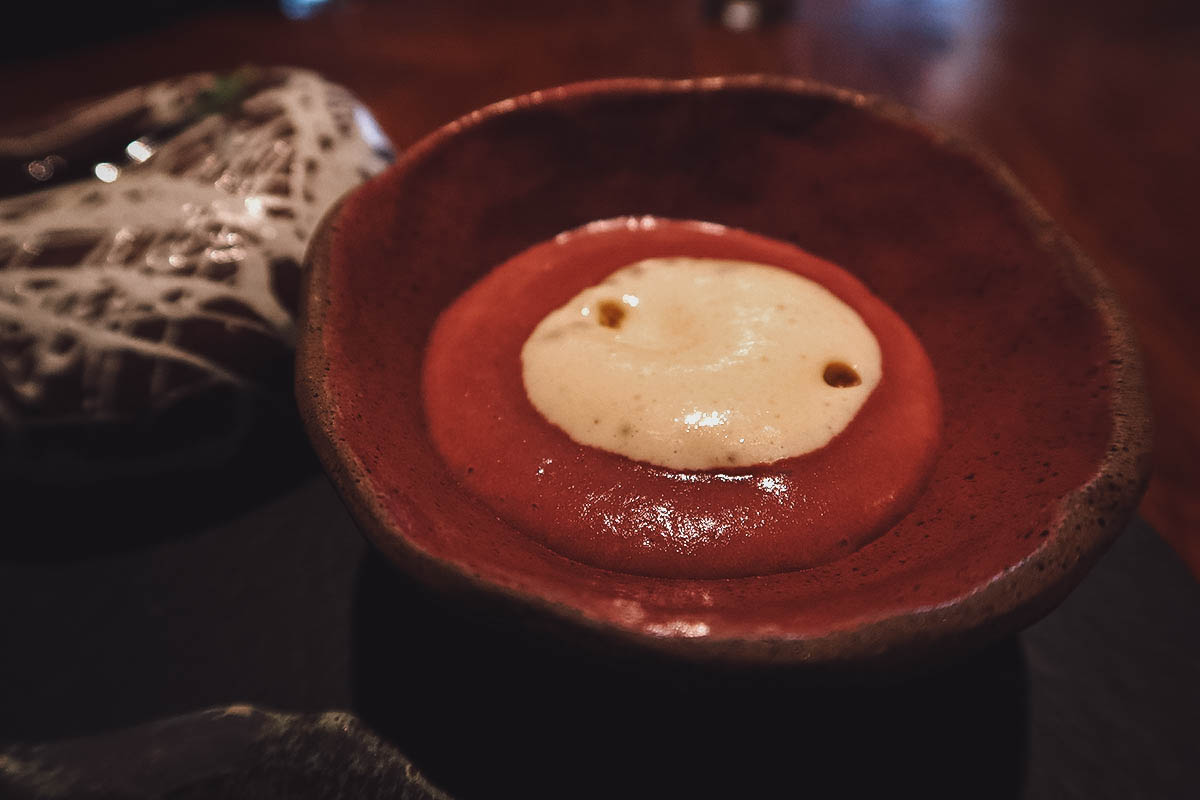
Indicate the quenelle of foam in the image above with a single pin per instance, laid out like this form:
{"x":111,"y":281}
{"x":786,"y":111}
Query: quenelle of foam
{"x":698,"y":363}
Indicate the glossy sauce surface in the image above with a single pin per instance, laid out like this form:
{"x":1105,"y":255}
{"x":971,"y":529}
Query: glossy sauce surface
{"x":610,"y":511}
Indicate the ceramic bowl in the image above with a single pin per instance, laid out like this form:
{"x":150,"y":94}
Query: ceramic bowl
{"x":1045,"y":448}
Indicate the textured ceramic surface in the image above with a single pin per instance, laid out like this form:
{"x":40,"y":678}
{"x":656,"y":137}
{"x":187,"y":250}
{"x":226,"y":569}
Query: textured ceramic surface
{"x":233,"y":752}
{"x":147,"y":303}
{"x":1046,"y":441}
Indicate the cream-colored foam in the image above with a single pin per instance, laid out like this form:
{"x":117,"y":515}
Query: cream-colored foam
{"x":712,"y":364}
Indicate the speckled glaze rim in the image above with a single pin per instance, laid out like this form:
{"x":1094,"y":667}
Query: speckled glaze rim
{"x":1089,"y":518}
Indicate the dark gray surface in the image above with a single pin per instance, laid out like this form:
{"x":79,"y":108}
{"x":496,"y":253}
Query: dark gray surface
{"x":254,"y":609}
{"x":1115,"y":680}
{"x":278,"y":603}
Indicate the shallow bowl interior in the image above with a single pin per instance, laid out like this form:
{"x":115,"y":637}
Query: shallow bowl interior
{"x":1044,"y":451}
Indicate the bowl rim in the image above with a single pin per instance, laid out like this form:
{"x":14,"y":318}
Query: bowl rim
{"x":974,"y":618}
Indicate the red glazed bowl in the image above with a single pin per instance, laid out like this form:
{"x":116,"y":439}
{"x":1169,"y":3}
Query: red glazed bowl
{"x":1045,"y":446}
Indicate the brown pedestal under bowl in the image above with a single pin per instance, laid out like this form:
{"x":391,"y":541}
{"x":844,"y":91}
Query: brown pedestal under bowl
{"x":1045,"y":445}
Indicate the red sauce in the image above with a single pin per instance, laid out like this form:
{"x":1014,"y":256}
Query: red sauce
{"x":606,"y":510}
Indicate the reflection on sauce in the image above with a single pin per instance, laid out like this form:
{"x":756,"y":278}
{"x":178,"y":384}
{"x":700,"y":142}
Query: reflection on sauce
{"x":602,"y":508}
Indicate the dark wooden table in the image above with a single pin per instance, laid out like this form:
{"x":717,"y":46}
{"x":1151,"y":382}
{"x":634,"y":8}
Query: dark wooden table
{"x":1091,"y":102}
